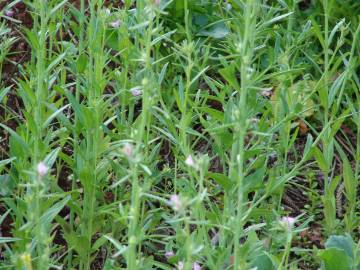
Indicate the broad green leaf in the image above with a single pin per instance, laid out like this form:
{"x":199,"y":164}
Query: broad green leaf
{"x":263,"y":262}
{"x":342,"y":242}
{"x":335,"y":259}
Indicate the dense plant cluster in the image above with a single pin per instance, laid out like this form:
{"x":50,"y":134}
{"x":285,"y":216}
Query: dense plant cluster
{"x":179,"y":134}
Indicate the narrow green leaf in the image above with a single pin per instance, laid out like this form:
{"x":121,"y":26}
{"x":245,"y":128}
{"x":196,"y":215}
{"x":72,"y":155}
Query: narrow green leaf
{"x":52,"y":212}
{"x":4,"y":240}
{"x":4,"y":92}
{"x":320,"y":159}
{"x":222,"y":180}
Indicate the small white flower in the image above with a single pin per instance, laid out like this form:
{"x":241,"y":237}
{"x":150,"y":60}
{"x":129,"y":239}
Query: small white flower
{"x":115,"y":24}
{"x":9,"y":13}
{"x":128,"y":150}
{"x":180,"y":265}
{"x":196,"y":266}
{"x":190,"y":162}
{"x":42,"y":169}
{"x":288,"y":222}
{"x":169,"y":254}
{"x":136,"y":91}
{"x":107,"y":12}
{"x":175,"y":202}
{"x":228,"y":6}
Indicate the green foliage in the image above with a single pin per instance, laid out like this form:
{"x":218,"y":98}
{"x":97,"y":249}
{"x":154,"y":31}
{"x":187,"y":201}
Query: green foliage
{"x":340,"y":253}
{"x":174,"y":134}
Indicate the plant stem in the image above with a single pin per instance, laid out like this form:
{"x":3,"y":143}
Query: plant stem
{"x":241,"y":128}
{"x":76,"y":118}
{"x":41,"y":236}
{"x":141,"y":140}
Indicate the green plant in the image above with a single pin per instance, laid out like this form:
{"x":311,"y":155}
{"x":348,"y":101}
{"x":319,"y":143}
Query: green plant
{"x":179,"y":134}
{"x":340,"y":253}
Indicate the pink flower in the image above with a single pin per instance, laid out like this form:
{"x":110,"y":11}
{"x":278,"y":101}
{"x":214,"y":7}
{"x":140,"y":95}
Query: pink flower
{"x":9,"y":12}
{"x":157,"y":2}
{"x":115,"y":24}
{"x":135,"y":91}
{"x":288,"y":222}
{"x":128,"y":150}
{"x":169,"y":254}
{"x":175,"y":202}
{"x":196,"y":266}
{"x":266,"y":92}
{"x":42,"y":169}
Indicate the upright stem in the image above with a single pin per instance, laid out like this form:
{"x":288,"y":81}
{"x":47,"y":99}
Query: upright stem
{"x":188,"y":70}
{"x":75,"y":134}
{"x":134,"y":216}
{"x":326,"y":57}
{"x":41,"y":235}
{"x":326,"y":140}
{"x":186,"y":18}
{"x":93,"y":133}
{"x":141,"y":140}
{"x":40,"y":68}
{"x":241,"y":127}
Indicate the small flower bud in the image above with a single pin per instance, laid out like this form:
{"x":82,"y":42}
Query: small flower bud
{"x":196,"y":266}
{"x":190,"y":162}
{"x":175,"y":202}
{"x":288,"y":222}
{"x":169,"y":254}
{"x":9,"y":12}
{"x":42,"y":169}
{"x":128,"y":150}
{"x":115,"y":24}
{"x":136,"y":91}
